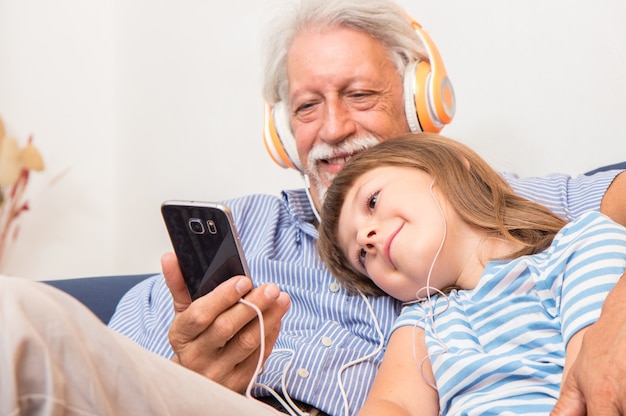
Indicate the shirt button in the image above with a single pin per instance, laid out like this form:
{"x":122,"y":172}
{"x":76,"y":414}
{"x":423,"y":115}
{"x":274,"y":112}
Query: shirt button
{"x":303,"y":372}
{"x":334,"y":287}
{"x":327,"y":342}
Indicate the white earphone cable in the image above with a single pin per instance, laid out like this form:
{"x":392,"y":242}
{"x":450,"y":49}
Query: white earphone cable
{"x":307,"y":189}
{"x":291,"y":407}
{"x":379,"y":348}
{"x":259,"y":366}
{"x":430,"y":316}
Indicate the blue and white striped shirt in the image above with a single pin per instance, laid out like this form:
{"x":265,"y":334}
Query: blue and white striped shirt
{"x":500,"y":347}
{"x":325,"y":327}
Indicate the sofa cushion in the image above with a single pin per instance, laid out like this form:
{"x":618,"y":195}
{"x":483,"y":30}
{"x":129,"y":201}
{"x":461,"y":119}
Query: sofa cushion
{"x":100,"y":293}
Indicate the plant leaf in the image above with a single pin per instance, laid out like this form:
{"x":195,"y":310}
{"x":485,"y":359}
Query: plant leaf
{"x":31,"y":158}
{"x":9,"y":162}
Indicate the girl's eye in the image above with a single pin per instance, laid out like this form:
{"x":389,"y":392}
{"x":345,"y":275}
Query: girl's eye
{"x":361,"y":257}
{"x":371,"y":201}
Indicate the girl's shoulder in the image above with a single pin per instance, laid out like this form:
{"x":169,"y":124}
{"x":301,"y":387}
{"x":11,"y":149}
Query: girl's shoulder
{"x":590,"y":224}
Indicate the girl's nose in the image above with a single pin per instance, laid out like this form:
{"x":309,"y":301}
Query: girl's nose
{"x":366,"y":238}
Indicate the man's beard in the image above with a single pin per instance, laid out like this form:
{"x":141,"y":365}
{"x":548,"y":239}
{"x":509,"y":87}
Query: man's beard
{"x":326,"y":151}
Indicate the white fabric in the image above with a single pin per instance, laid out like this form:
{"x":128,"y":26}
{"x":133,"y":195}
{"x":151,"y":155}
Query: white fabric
{"x":57,"y":358}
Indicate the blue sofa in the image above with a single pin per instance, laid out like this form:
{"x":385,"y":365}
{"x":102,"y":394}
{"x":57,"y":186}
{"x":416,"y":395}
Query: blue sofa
{"x":101,"y":294}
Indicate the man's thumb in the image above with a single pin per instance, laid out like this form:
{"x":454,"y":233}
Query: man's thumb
{"x":571,"y":402}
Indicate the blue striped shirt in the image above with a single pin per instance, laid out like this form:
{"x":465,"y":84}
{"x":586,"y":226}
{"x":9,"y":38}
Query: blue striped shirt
{"x":325,"y":327}
{"x":501,"y":346}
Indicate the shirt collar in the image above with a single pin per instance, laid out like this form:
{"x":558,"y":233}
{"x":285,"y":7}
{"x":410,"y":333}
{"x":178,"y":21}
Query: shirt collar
{"x":299,"y":206}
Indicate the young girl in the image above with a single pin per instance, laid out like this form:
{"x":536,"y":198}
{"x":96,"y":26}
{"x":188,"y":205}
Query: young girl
{"x":498,"y":289}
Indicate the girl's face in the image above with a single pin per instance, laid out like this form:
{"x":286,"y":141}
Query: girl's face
{"x":391,"y":226}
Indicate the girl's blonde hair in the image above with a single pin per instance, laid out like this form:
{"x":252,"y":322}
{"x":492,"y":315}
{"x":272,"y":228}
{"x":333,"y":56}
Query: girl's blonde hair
{"x":478,"y":193}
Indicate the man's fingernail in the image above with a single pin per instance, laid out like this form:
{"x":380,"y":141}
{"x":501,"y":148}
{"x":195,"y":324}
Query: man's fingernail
{"x":243,"y":286}
{"x":283,"y":299}
{"x":272,"y":291}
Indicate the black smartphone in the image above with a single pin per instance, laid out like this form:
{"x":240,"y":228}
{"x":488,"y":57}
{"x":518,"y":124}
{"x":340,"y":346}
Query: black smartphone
{"x":206,"y":242}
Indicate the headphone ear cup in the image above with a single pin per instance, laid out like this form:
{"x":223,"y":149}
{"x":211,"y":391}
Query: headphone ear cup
{"x":431,"y":89}
{"x":417,"y":103}
{"x":413,"y":92}
{"x":278,"y":138}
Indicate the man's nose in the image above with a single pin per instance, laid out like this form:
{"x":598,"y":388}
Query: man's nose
{"x":337,"y":123}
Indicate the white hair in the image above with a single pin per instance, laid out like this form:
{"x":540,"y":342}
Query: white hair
{"x":382,"y":19}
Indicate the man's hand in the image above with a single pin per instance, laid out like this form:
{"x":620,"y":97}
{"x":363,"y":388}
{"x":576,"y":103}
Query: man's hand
{"x":216,"y":335}
{"x":596,"y":383}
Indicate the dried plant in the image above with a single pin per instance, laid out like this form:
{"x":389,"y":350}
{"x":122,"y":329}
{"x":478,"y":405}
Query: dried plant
{"x":16,"y":163}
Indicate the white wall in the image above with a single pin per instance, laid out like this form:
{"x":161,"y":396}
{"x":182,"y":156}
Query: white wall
{"x":139,"y":101}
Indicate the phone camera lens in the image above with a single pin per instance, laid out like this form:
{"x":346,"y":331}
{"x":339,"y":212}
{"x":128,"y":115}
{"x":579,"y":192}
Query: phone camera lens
{"x":212,"y":227}
{"x":196,"y":226}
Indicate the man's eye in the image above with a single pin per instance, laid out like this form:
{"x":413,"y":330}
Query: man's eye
{"x":360,"y":94}
{"x":306,"y":112}
{"x":303,"y":107}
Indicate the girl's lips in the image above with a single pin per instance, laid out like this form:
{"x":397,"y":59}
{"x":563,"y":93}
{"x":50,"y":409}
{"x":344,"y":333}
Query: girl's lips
{"x":387,"y":246}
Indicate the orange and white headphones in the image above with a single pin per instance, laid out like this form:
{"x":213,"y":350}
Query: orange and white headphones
{"x":429,"y":104}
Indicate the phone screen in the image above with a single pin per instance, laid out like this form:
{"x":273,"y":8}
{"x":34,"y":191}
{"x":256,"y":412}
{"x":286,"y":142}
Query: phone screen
{"x":206,"y":243}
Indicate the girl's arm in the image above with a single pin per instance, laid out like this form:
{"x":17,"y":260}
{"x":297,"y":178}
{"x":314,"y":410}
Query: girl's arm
{"x":572,"y":350}
{"x":594,"y":377}
{"x":399,"y":387}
